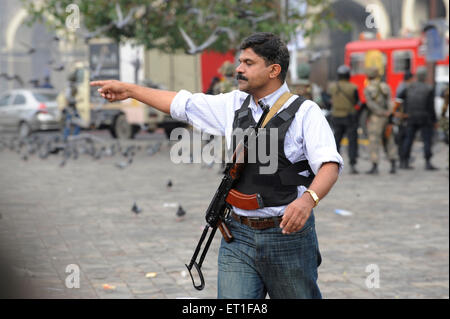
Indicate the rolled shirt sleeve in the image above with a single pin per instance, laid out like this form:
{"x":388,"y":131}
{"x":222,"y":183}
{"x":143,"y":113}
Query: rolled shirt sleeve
{"x":209,"y":113}
{"x":178,"y":106}
{"x":318,"y":139}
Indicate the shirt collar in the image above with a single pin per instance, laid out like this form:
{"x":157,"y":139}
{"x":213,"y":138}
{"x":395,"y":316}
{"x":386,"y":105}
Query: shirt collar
{"x":271,"y":98}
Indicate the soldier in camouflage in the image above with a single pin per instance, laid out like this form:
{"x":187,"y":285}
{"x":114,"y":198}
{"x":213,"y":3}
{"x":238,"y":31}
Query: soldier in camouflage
{"x":227,"y":81}
{"x":305,"y":87}
{"x":344,"y":117}
{"x":443,"y":121}
{"x":378,"y":100}
{"x":444,"y":114}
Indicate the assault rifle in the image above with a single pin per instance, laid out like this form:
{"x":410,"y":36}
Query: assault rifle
{"x":219,"y":209}
{"x":395,"y":117}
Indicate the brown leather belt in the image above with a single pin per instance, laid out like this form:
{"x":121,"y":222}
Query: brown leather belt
{"x":257,"y":223}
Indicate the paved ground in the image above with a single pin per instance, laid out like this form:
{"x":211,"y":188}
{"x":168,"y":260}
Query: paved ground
{"x":79,"y":215}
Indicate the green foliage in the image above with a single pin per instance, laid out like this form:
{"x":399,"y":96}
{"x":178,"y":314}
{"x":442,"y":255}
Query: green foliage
{"x":157,"y":23}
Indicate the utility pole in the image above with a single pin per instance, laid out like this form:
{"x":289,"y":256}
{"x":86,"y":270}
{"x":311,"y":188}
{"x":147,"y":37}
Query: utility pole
{"x":431,"y":65}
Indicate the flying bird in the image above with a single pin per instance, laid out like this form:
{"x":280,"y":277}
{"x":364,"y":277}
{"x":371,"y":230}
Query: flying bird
{"x":31,"y":50}
{"x":193,"y":48}
{"x":121,"y":21}
{"x":198,"y":13}
{"x":169,"y":184}
{"x":88,"y":36}
{"x":253,"y":17}
{"x":12,"y":77}
{"x":265,"y":16}
{"x":59,"y":68}
{"x":18,"y":79}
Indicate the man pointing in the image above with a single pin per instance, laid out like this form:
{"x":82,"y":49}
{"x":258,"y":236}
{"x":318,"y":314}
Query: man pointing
{"x":275,"y":248}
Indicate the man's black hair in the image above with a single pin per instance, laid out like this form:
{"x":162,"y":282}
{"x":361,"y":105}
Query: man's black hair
{"x":270,"y":47}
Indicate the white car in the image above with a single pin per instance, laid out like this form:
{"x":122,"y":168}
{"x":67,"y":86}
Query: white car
{"x":29,"y":110}
{"x":438,"y":99}
{"x":442,"y":72}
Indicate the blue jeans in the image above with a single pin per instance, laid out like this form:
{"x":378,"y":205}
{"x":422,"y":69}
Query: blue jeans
{"x":68,"y":123}
{"x":427,"y":132}
{"x":258,"y":262}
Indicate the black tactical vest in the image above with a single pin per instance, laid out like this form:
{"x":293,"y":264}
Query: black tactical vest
{"x":279,"y":188}
{"x":416,"y":100}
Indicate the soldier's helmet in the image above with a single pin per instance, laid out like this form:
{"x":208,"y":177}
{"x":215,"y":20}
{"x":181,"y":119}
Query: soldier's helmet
{"x":372,"y":73}
{"x":303,"y":71}
{"x":227,"y":69}
{"x":343,"y":72}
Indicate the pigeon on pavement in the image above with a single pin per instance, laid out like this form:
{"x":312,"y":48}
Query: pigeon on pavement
{"x":180,"y":213}
{"x":136,"y":209}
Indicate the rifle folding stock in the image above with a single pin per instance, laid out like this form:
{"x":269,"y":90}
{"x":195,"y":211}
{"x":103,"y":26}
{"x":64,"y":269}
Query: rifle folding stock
{"x":198,"y":265}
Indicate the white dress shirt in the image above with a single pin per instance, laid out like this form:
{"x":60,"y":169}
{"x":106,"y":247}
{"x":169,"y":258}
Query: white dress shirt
{"x":308,"y":137}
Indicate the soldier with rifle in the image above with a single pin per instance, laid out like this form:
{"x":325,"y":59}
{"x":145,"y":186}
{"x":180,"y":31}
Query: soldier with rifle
{"x":378,"y":100}
{"x":397,"y":120}
{"x":344,"y":117}
{"x":270,"y":244}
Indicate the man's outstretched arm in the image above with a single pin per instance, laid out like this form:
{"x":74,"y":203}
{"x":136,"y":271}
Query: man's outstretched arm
{"x":114,"y":90}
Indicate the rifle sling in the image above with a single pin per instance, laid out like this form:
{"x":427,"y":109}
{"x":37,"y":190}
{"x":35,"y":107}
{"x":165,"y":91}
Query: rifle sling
{"x":278,"y":104}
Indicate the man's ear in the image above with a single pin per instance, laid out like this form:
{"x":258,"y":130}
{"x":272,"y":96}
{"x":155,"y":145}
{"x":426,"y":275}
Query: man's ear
{"x":275,"y":72}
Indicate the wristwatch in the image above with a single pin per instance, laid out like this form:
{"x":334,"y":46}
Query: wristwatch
{"x":313,"y":195}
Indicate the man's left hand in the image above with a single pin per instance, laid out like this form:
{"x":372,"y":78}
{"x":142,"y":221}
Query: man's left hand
{"x":296,"y":214}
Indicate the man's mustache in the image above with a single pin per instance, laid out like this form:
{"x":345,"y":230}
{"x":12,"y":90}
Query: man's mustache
{"x":239,"y":76}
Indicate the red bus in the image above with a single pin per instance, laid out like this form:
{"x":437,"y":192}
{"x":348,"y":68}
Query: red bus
{"x":392,"y":57}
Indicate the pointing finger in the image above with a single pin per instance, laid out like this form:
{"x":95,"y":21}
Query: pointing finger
{"x":100,"y":83}
{"x":96,"y":83}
